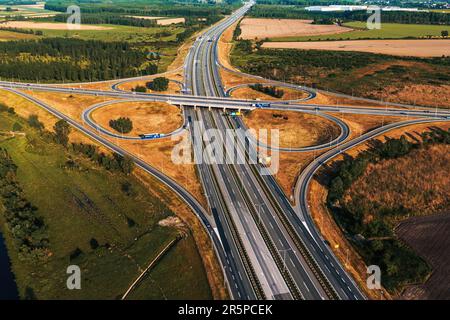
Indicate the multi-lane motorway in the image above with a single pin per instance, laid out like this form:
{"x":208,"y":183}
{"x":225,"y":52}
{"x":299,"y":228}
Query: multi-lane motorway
{"x":268,"y":248}
{"x":276,"y":247}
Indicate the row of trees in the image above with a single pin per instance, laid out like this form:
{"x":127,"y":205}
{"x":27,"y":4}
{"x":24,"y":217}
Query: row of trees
{"x":157,"y":9}
{"x":108,"y":18}
{"x":114,"y":162}
{"x":23,"y":31}
{"x":26,"y":226}
{"x":5,"y":108}
{"x":62,"y":129}
{"x":294,"y":12}
{"x":60,"y":59}
{"x":389,"y":254}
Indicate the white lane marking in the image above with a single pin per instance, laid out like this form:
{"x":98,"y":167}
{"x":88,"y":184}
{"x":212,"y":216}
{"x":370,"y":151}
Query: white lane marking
{"x":306,"y":286}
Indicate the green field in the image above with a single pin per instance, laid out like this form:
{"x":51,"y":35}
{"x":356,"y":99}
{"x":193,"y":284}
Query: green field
{"x":9,"y":35}
{"x":160,"y":39}
{"x":120,"y":33}
{"x":24,"y":11}
{"x":155,"y":39}
{"x":387,"y":31}
{"x":86,"y":203}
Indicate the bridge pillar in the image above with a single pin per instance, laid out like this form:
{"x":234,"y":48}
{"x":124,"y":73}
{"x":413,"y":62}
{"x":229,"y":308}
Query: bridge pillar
{"x":195,"y":108}
{"x":209,"y":108}
{"x":224,"y":109}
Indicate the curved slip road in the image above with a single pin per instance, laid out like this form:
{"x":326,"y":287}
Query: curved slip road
{"x":343,"y":135}
{"x":187,"y":197}
{"x":87,"y":118}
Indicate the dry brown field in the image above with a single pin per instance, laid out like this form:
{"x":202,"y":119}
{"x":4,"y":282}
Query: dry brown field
{"x":256,"y":28}
{"x":146,"y":117}
{"x":415,"y":48}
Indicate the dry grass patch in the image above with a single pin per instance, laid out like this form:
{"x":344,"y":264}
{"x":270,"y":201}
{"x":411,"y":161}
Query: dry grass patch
{"x":273,"y":28}
{"x":249,"y":93}
{"x":231,"y":79}
{"x":166,"y":22}
{"x":417,"y":182}
{"x":297,"y":129}
{"x":71,"y":105}
{"x":25,"y":108}
{"x":174,"y":88}
{"x":291,"y":164}
{"x":9,"y":35}
{"x":225,"y":45}
{"x":158,"y":153}
{"x":326,"y":98}
{"x":147,"y":117}
{"x":360,"y":123}
{"x":419,"y":94}
{"x":101,"y":85}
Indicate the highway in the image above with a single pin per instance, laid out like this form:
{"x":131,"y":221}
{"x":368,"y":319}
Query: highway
{"x":224,"y":103}
{"x":268,"y":249}
{"x":253,"y":262}
{"x":279,"y":254}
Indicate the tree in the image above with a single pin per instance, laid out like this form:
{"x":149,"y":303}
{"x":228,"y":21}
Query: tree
{"x":141,"y":89}
{"x":127,"y":165}
{"x":94,"y":243}
{"x":16,"y":127}
{"x":158,"y":84}
{"x":444,"y":33}
{"x":33,"y":121}
{"x":62,"y":131}
{"x":122,"y":125}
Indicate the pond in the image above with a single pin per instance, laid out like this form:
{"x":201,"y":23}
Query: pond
{"x":8,"y":287}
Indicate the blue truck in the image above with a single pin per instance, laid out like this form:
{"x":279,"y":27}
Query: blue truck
{"x":261,"y":105}
{"x":150,"y":136}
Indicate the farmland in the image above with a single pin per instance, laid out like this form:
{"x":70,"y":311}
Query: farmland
{"x":429,"y":237}
{"x":420,"y":81}
{"x":387,"y":31}
{"x":272,"y":28}
{"x":413,"y":48}
{"x":48,"y":26}
{"x":26,"y":10}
